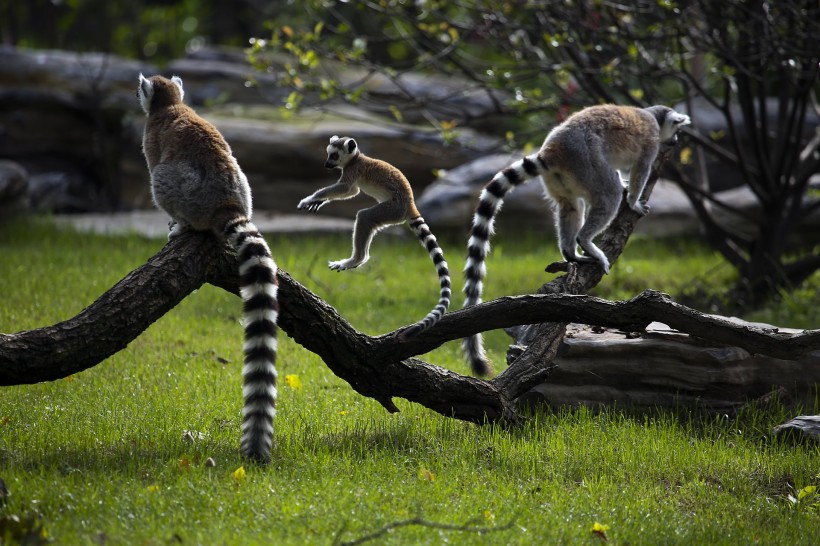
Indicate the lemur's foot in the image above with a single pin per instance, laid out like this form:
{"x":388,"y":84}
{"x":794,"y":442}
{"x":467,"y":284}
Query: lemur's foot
{"x":641,"y":207}
{"x":342,"y":265}
{"x":175,"y":229}
{"x":597,"y":258}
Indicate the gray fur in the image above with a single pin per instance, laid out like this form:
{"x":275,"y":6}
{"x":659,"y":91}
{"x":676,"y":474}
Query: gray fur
{"x":198,"y":182}
{"x":582,"y":165}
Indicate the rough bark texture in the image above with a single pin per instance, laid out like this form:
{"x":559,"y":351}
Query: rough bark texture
{"x":664,"y":368}
{"x":380,"y":367}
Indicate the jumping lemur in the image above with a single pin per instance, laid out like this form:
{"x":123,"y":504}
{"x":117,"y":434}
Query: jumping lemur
{"x":387,"y":185}
{"x":581,"y":164}
{"x":197,"y":181}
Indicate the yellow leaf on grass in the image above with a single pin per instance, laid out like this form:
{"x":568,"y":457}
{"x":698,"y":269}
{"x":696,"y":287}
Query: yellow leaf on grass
{"x":426,"y":475}
{"x":599,"y":530}
{"x":293,"y":381}
{"x":239,"y":474}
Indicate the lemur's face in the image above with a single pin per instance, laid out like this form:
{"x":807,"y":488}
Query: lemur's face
{"x":671,"y":125}
{"x":340,"y":151}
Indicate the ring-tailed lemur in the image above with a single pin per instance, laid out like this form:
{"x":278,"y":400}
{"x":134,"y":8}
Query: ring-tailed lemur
{"x":387,"y":185}
{"x":197,"y":181}
{"x":581,"y":165}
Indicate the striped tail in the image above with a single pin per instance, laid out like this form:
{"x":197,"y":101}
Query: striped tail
{"x":428,"y":240}
{"x":258,"y":287}
{"x":489,"y":203}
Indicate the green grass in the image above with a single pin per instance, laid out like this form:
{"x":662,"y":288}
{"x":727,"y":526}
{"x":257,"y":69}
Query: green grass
{"x":100,"y":458}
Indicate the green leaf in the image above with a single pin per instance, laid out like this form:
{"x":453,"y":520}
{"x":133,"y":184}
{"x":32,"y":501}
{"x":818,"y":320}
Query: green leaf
{"x":396,"y":113}
{"x":806,"y":491}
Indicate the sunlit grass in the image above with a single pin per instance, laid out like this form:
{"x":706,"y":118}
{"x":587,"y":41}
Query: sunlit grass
{"x":103,"y":456}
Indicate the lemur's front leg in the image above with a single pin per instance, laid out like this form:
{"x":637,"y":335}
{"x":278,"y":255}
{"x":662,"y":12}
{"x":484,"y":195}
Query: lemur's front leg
{"x":336,"y":192}
{"x":638,"y":177}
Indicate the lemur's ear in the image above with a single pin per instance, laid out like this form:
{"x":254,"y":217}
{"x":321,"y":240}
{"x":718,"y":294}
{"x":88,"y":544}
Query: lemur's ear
{"x":146,"y":87}
{"x":351,"y":145}
{"x":145,"y":92}
{"x":334,"y":138}
{"x":178,"y":82}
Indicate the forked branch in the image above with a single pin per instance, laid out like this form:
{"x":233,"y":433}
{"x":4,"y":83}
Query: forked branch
{"x":380,"y":367}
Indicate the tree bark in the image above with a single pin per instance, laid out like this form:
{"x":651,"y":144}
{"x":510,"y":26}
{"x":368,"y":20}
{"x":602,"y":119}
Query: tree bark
{"x":803,"y":427}
{"x":381,"y":367}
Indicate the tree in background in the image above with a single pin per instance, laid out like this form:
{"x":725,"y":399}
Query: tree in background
{"x":753,"y":65}
{"x":156,"y":30}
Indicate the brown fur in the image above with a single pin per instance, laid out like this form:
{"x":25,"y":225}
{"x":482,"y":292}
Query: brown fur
{"x":197,"y":181}
{"x":627,"y":132}
{"x":395,"y":205}
{"x":376,"y":178}
{"x":187,"y":149}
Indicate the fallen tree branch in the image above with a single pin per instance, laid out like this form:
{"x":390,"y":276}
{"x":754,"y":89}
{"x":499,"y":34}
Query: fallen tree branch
{"x":380,"y":367}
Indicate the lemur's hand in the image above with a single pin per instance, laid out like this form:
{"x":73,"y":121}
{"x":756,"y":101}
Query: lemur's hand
{"x":311,"y":205}
{"x":641,"y":207}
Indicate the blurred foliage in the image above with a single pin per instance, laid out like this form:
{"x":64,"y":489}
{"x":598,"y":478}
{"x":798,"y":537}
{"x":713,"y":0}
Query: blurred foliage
{"x":157,"y":30}
{"x":515,"y":68}
{"x":748,"y":66}
{"x":535,"y":62}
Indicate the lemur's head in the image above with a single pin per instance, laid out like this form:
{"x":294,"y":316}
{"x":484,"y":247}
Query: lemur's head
{"x":670,"y":122}
{"x":156,"y":92}
{"x":340,"y":151}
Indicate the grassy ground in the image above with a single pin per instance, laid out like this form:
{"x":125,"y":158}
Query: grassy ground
{"x":102,"y":457}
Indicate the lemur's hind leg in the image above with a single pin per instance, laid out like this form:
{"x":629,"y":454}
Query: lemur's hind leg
{"x":368,"y":222}
{"x":569,"y":215}
{"x":602,"y":208}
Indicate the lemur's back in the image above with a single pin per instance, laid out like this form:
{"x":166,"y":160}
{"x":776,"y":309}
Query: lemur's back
{"x":622,"y":132}
{"x":202,"y":183}
{"x":178,"y":128}
{"x":383,"y":182}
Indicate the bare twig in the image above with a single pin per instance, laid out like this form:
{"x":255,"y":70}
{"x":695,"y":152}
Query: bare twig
{"x":469,"y":527}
